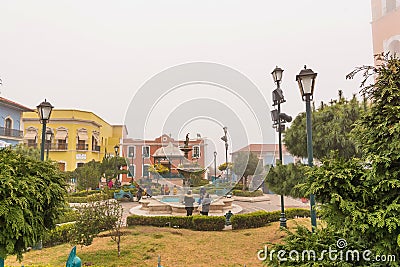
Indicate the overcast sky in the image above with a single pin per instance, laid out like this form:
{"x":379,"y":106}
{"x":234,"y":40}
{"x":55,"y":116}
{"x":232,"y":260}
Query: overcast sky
{"x":95,"y":55}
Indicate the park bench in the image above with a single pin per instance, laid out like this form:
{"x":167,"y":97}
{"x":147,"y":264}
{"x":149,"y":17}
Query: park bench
{"x":121,"y":194}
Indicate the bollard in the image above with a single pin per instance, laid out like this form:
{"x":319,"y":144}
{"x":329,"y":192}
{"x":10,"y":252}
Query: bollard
{"x":73,"y":260}
{"x":159,"y":262}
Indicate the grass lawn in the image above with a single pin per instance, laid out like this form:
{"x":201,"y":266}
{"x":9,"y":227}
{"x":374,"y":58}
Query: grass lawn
{"x":141,"y":246}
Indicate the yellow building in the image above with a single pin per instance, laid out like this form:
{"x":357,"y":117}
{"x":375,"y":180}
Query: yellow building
{"x":77,"y":136}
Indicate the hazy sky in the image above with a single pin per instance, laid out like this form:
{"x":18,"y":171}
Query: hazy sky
{"x":94,"y":55}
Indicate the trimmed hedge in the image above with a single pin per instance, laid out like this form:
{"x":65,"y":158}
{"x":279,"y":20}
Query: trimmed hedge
{"x":208,"y":223}
{"x":197,"y":222}
{"x":160,"y":221}
{"x":241,"y":193}
{"x":69,"y":215}
{"x":263,"y":218}
{"x":61,"y":234}
{"x":89,"y":198}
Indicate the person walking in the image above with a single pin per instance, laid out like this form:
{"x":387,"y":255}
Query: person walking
{"x":139,"y":194}
{"x":166,"y":189}
{"x":205,"y":205}
{"x":162,"y":190}
{"x":188,"y":201}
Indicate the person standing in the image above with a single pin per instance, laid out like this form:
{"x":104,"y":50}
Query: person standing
{"x":175,"y":190}
{"x":139,"y":194}
{"x":205,"y":205}
{"x":162,"y":190}
{"x":166,"y":189}
{"x":188,"y":201}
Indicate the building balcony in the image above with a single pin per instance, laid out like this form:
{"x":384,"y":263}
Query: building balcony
{"x":11,"y":132}
{"x":82,"y":146}
{"x":55,"y":147}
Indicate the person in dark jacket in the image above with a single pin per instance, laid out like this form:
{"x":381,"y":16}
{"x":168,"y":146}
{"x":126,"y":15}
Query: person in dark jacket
{"x":139,"y":194}
{"x":205,"y":205}
{"x":188,"y":201}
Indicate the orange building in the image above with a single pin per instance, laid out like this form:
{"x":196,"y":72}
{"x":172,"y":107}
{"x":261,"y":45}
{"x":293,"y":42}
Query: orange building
{"x":386,"y":26}
{"x":164,"y":150}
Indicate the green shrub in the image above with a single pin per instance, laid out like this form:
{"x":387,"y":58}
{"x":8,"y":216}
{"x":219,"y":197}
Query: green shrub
{"x":160,"y":221}
{"x":83,"y":193}
{"x":241,"y":193}
{"x":61,"y":234}
{"x":208,"y":223}
{"x":92,"y":197}
{"x":68,"y":215}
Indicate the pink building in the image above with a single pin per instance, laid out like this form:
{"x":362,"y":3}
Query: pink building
{"x":164,"y":150}
{"x":386,"y":26}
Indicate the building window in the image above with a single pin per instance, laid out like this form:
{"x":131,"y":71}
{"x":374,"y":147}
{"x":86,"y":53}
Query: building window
{"x":82,"y":139}
{"x":96,"y":141}
{"x":61,"y":166}
{"x":79,"y":164}
{"x":131,"y":152}
{"x":32,"y":143}
{"x":132,"y":170}
{"x":196,"y":151}
{"x":8,"y":126}
{"x":146,"y":151}
{"x":394,"y":47}
{"x":390,"y":5}
{"x":61,"y":138}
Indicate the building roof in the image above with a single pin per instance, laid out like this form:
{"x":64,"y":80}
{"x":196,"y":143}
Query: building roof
{"x":261,"y":148}
{"x":14,"y":105}
{"x":168,"y":151}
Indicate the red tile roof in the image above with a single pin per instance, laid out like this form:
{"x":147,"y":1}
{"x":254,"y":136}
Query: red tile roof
{"x":261,"y":148}
{"x":14,"y":104}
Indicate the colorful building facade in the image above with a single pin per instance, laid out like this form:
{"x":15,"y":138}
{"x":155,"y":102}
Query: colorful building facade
{"x":164,"y":150}
{"x":386,"y":26}
{"x":77,"y":136}
{"x":11,"y":126}
{"x":268,"y":153}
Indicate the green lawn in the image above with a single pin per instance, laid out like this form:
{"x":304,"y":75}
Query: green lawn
{"x":141,"y":246}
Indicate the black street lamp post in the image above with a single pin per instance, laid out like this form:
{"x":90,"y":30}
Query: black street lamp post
{"x":279,"y":120}
{"x":306,"y":82}
{"x":131,"y":169}
{"x":44,"y":109}
{"x":116,"y":148}
{"x":225,"y":139}
{"x":49,"y":137}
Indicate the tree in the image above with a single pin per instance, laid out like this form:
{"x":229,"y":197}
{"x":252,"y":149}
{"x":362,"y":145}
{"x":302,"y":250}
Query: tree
{"x":331,"y":125}
{"x":244,"y":165}
{"x":88,"y":175}
{"x":360,"y":196}
{"x":31,"y":152}
{"x":111,"y":167}
{"x":31,"y":193}
{"x":283,"y":179}
{"x":102,"y":215}
{"x":225,"y":165}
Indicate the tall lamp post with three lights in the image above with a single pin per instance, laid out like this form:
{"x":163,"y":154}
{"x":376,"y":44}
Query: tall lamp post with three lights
{"x":306,"y":82}
{"x":279,"y":119}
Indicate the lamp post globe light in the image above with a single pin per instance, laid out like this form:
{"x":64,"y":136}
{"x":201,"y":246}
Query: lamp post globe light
{"x":279,"y":119}
{"x":44,"y":109}
{"x":225,"y":139}
{"x":306,"y":82}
